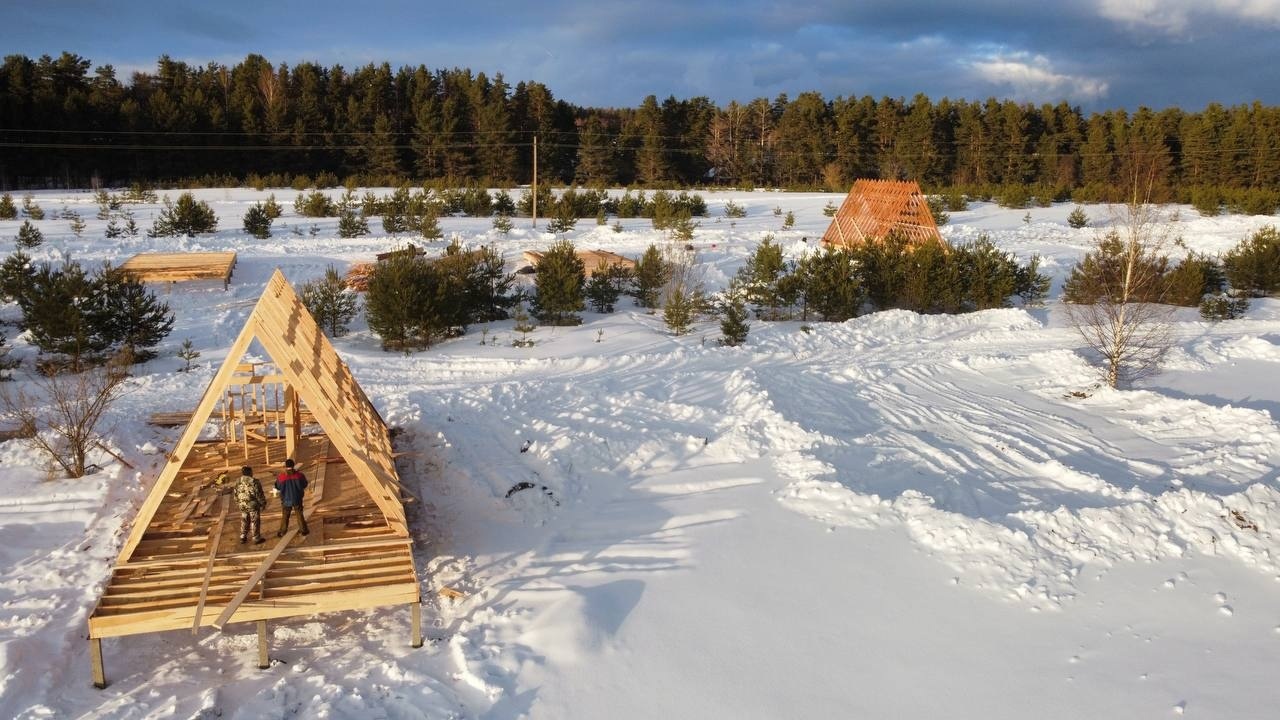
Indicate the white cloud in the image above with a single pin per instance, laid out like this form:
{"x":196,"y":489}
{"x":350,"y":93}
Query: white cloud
{"x":1175,"y":16}
{"x":1032,"y":78}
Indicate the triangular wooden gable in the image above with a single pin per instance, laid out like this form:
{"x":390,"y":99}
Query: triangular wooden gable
{"x":311,"y":368}
{"x":876,"y":208}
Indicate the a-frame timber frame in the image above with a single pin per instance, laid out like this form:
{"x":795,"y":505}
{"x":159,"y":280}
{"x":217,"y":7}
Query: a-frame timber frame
{"x":876,"y":208}
{"x":182,"y":565}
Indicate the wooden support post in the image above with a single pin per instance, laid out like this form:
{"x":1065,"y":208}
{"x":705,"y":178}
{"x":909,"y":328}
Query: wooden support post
{"x":263,"y":661}
{"x":292,"y":424}
{"x":95,"y":660}
{"x":415,"y":611}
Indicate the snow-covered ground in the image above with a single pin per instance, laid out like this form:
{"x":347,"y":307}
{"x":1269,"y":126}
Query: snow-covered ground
{"x":896,"y":516}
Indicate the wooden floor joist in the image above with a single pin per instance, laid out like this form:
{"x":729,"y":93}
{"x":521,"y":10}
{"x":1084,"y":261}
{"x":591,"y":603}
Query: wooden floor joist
{"x":181,"y":567}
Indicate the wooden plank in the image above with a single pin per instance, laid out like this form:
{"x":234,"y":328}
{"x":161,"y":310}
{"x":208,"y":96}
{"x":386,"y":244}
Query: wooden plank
{"x":257,"y":575}
{"x":415,"y":611}
{"x":95,"y":662}
{"x":263,"y":662}
{"x":215,"y":536}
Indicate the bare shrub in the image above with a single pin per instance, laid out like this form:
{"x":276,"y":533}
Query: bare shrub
{"x":61,"y":418}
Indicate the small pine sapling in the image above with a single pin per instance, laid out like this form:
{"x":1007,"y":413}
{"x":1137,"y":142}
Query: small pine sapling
{"x":8,"y":210}
{"x":257,"y":221}
{"x":733,"y":323}
{"x":188,"y":352}
{"x":502,"y":223}
{"x":1078,"y":219}
{"x":77,"y":224}
{"x":617,"y":226}
{"x":777,"y":211}
{"x":789,"y":221}
{"x":734,"y":210}
{"x":351,"y":225}
{"x":1215,"y":308}
{"x":31,"y":209}
{"x":829,"y":209}
{"x":1032,"y":285}
{"x":29,"y":236}
{"x":523,"y":325}
{"x":678,"y":310}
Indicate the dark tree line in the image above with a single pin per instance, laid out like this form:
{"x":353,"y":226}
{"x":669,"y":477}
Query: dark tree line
{"x":64,"y":122}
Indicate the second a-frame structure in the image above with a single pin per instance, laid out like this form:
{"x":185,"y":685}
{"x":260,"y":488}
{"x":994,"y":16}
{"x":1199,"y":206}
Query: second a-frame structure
{"x":182,"y":565}
{"x":875,"y":209}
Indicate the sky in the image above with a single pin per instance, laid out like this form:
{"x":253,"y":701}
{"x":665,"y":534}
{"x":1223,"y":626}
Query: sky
{"x":1096,"y":54}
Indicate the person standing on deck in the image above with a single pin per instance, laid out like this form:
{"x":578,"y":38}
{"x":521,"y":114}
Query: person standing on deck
{"x":291,"y":484}
{"x":250,"y":499}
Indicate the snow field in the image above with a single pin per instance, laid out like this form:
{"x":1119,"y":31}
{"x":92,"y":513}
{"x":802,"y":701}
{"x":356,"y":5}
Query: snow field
{"x":901,"y":515}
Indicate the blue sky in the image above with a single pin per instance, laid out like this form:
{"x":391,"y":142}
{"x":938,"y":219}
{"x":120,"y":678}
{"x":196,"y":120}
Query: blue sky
{"x":1094,"y":53}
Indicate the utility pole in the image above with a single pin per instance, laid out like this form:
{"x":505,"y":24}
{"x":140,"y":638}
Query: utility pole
{"x":535,"y":181}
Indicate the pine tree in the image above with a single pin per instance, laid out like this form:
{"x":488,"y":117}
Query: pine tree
{"x":29,"y":236}
{"x":8,"y":210}
{"x":330,"y":302}
{"x":761,"y":276}
{"x":502,"y":223}
{"x":257,"y":221}
{"x":559,"y":281}
{"x":188,"y":352}
{"x":565,"y":218}
{"x":31,"y":209}
{"x":830,"y":284}
{"x":128,"y":315}
{"x":523,"y":325}
{"x":603,"y":289}
{"x":57,"y":313}
{"x":186,"y":217}
{"x":77,"y":224}
{"x":399,"y":291}
{"x":1253,"y":266}
{"x":678,"y":309}
{"x":429,"y":226}
{"x":1078,"y":219}
{"x":650,"y":275}
{"x":1033,"y":285}
{"x":16,"y":273}
{"x":733,"y":323}
{"x":351,"y":225}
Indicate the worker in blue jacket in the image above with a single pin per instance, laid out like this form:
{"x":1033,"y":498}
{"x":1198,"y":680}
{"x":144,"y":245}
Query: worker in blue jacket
{"x":291,"y":484}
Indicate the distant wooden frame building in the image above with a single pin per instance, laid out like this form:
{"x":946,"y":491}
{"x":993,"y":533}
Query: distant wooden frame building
{"x":182,"y":566}
{"x":875,"y":209}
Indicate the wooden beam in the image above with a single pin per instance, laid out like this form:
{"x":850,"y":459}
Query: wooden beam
{"x":292,"y":424}
{"x":263,"y":661}
{"x":257,"y":575}
{"x":415,"y":612}
{"x":215,"y":537}
{"x":95,"y":663}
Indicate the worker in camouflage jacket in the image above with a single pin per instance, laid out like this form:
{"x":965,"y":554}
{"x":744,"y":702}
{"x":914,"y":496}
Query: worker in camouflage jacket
{"x":250,"y":499}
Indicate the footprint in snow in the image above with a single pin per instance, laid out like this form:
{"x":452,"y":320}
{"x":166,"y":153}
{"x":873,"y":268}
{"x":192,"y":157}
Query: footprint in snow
{"x":1220,"y":597}
{"x":1226,"y":610}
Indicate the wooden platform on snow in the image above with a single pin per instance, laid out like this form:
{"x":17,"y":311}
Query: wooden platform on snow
{"x":181,"y":267}
{"x":591,"y":260}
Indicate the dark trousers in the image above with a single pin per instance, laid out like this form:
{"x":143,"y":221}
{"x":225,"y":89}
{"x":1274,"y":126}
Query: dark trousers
{"x":251,"y":519}
{"x":284,"y":523}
